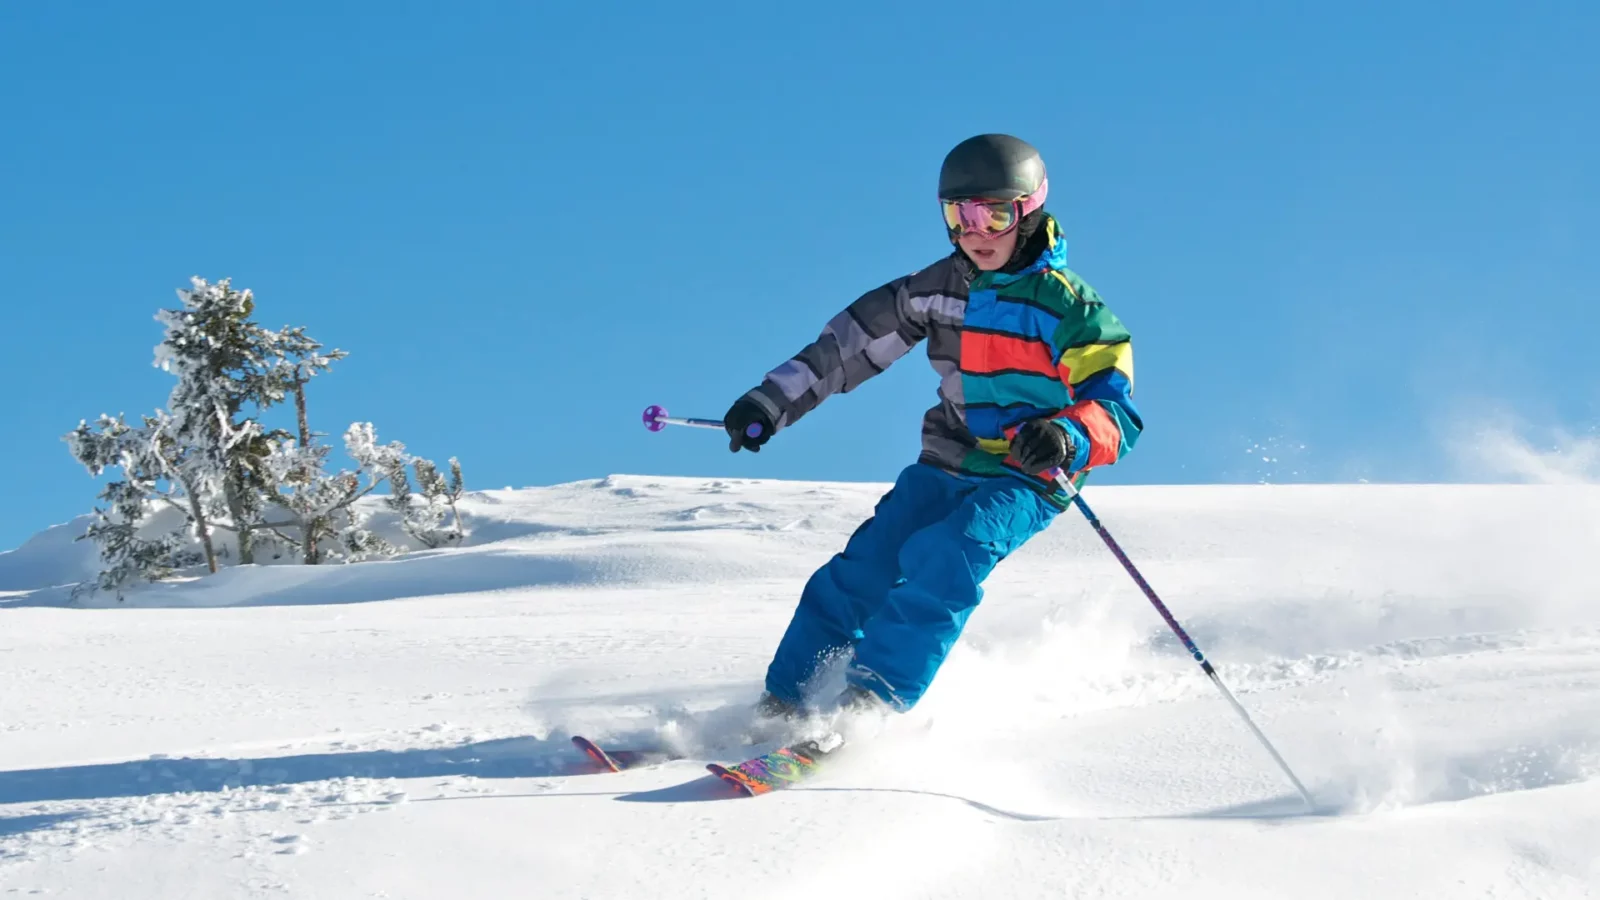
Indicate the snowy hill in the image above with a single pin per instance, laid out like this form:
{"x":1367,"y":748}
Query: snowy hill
{"x":1427,"y":657}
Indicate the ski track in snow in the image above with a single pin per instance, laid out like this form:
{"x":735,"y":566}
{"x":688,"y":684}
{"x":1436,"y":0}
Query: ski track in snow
{"x":400,"y":729}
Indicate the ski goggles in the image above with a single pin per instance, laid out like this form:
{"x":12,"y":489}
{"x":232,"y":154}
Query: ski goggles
{"x":992,"y":218}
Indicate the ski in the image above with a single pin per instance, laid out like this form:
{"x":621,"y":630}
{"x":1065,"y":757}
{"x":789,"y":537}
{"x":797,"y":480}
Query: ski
{"x":621,"y":760}
{"x":782,"y":768}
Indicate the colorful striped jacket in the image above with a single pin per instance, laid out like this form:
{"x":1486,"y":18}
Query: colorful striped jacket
{"x":1008,"y":348}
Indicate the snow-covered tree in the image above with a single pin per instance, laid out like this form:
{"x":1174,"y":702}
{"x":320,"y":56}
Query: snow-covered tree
{"x":424,"y":517}
{"x":387,"y":463}
{"x":441,"y":495}
{"x":324,"y":506}
{"x":330,"y":524}
{"x":225,"y":363}
{"x":296,"y":484}
{"x":155,"y":472}
{"x":209,"y":457}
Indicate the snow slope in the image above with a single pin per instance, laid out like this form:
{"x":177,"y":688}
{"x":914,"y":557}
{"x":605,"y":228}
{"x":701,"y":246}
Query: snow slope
{"x":1427,"y":657}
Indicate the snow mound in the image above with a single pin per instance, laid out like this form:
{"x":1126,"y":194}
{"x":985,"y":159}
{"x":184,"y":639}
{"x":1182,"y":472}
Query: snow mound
{"x":54,"y":556}
{"x":620,"y":530}
{"x":1366,"y":553}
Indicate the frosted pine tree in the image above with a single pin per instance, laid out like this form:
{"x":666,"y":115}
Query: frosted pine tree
{"x":294,"y":476}
{"x":298,"y":486}
{"x":225,"y":363}
{"x":325,"y":507}
{"x":204,"y":454}
{"x":210,"y":458}
{"x":154,"y":473}
{"x":423,"y":518}
{"x":375,"y":463}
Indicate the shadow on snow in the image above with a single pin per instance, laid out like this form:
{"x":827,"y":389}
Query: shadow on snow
{"x":521,"y":757}
{"x":21,"y":824}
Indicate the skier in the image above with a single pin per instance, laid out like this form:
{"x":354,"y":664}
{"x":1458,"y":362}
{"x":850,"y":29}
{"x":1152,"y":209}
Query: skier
{"x":1036,"y":378}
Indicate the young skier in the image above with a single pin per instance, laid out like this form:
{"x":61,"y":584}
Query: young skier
{"x":1036,"y":377}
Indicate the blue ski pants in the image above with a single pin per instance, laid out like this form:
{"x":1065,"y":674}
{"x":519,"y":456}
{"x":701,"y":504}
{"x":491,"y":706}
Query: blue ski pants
{"x":900,"y":592}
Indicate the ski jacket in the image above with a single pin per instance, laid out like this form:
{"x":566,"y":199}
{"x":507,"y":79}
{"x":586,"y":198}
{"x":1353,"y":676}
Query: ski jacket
{"x":1007,"y":347}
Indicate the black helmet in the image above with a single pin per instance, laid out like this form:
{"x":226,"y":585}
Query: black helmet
{"x":996,"y":166}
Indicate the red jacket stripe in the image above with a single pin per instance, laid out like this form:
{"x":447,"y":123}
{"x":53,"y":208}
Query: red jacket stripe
{"x":984,"y":354}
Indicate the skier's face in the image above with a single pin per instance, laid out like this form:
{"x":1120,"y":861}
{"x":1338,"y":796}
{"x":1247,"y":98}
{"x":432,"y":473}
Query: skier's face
{"x":988,"y":253}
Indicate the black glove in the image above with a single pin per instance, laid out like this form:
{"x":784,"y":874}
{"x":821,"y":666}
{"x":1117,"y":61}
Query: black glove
{"x":744,"y":414}
{"x":1041,"y":445}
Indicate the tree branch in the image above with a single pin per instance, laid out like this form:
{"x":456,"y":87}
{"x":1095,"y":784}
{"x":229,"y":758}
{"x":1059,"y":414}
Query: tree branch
{"x":281,"y":536}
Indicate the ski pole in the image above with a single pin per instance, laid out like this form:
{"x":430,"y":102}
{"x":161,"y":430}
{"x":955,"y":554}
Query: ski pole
{"x":1205,"y":665}
{"x":656,"y":418}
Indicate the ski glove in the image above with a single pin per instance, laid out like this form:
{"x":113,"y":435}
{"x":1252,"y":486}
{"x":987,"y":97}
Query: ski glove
{"x":740,"y":417}
{"x":1041,"y":445}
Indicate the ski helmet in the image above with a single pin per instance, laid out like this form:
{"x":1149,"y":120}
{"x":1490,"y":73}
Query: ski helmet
{"x":993,"y":166}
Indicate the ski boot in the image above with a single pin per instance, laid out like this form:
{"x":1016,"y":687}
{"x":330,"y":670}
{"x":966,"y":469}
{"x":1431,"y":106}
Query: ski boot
{"x":859,"y":711}
{"x":771,"y":707}
{"x":774,"y":719}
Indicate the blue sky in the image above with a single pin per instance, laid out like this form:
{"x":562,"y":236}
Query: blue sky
{"x":1338,"y":233}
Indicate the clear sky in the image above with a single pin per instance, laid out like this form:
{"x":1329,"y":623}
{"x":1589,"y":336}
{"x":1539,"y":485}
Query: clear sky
{"x":1339,"y":232}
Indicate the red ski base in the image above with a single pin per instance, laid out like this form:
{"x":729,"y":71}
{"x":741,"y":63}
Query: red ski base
{"x":620,"y":760}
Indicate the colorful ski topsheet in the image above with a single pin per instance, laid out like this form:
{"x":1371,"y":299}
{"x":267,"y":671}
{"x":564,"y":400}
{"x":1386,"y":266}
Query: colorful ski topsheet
{"x":782,"y":768}
{"x":619,"y":760}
